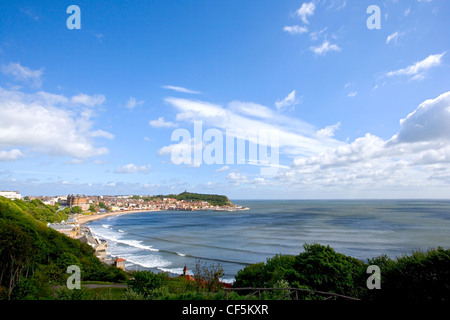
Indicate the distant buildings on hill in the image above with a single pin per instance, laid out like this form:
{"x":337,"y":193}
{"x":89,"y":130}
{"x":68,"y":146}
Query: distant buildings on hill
{"x":11,"y":194}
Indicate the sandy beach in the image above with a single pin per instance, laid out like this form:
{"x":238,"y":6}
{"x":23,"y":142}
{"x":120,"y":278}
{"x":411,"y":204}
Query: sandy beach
{"x":87,"y":218}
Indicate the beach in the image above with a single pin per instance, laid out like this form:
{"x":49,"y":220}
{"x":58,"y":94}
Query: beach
{"x":92,"y":217}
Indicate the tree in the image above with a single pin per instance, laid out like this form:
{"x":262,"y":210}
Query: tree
{"x":321,"y":268}
{"x":76,"y":209}
{"x":16,"y":255}
{"x":208,"y":276}
{"x":146,"y":282}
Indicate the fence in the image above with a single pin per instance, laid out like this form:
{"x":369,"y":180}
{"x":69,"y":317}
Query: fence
{"x":293,"y":293}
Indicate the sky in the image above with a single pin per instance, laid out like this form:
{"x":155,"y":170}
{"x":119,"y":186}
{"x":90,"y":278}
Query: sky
{"x":253,"y":99}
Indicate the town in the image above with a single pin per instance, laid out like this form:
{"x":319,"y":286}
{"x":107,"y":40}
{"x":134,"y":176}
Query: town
{"x":83,"y":208}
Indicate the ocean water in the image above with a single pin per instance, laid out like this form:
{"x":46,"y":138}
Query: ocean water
{"x":169,"y":240}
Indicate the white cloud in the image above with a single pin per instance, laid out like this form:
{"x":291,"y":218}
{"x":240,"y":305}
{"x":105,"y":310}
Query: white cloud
{"x":417,"y":70}
{"x":315,"y":35}
{"x":224,"y":168}
{"x":160,"y":123}
{"x":10,"y":155}
{"x":352,"y":94}
{"x":325,"y":47}
{"x":237,"y":178}
{"x":133,"y":103}
{"x":295,"y":136}
{"x":417,"y":158}
{"x":289,"y":101}
{"x":296,"y":29}
{"x":39,"y":123}
{"x":306,"y":10}
{"x":181,"y":89}
{"x":87,"y":100}
{"x":328,"y":131}
{"x":250,"y":109}
{"x":392,"y":37}
{"x":132,"y":168}
{"x":430,"y":121}
{"x":21,"y":73}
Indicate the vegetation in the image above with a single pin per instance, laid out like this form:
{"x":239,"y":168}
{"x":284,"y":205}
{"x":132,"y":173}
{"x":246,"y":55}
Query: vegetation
{"x":212,"y":199}
{"x":423,"y":276}
{"x":33,"y":257}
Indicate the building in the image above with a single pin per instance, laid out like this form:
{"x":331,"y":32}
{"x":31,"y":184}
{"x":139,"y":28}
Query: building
{"x":100,"y":246}
{"x":80,"y":201}
{"x":11,"y":194}
{"x":71,"y":230}
{"x":120,"y":263}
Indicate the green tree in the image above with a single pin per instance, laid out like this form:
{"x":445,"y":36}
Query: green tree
{"x":76,"y":209}
{"x":16,"y":255}
{"x":208,"y":276}
{"x":421,"y":276}
{"x":321,"y":268}
{"x":145,"y":283}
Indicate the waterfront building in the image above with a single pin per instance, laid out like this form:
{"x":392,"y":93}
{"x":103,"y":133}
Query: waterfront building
{"x":120,"y":263}
{"x":80,"y":201}
{"x":11,"y":194}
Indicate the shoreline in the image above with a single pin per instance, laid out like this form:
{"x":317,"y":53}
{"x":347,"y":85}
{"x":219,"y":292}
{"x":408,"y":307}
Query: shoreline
{"x":92,"y":217}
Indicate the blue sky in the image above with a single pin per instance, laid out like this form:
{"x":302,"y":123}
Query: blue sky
{"x":357,"y":112}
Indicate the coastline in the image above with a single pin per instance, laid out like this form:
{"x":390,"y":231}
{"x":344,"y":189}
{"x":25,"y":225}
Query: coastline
{"x":92,"y":217}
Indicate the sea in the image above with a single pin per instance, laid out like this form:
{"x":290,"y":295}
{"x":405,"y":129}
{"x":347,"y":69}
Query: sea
{"x":170,"y":240}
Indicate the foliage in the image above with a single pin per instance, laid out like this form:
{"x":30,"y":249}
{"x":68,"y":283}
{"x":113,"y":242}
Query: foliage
{"x":208,"y":276}
{"x":33,"y":256}
{"x":323,"y":269}
{"x":422,"y":276}
{"x":212,"y":199}
{"x":147,"y":283}
{"x":76,"y":209}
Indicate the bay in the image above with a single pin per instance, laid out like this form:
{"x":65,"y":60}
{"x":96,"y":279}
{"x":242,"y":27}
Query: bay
{"x":169,"y":240}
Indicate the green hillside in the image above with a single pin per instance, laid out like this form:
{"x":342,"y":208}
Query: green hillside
{"x":212,"y":199}
{"x":33,"y":256}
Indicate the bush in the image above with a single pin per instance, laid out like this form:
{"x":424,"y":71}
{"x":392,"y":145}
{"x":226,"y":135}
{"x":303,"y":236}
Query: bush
{"x":423,"y":276}
{"x":146,"y":283}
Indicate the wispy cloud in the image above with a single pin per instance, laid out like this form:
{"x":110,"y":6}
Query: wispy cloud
{"x":181,"y":89}
{"x":289,"y":101}
{"x":393,"y":37}
{"x":295,"y":136}
{"x":417,"y":70}
{"x":305,"y":11}
{"x":133,"y":103}
{"x":160,"y":123}
{"x":224,"y":168}
{"x":132,"y":168}
{"x":88,"y":100}
{"x":325,"y":47}
{"x":296,"y":29}
{"x":24,"y":74}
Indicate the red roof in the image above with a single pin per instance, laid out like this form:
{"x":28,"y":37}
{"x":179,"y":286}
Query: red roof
{"x":119,"y":260}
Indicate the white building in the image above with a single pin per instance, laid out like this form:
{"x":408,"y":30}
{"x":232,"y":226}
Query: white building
{"x":11,"y":194}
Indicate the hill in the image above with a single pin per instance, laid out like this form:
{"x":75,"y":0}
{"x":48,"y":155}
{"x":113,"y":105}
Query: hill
{"x":33,"y":256}
{"x":212,"y":199}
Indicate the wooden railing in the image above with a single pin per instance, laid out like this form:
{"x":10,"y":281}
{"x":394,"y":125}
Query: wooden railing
{"x":293,"y":293}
